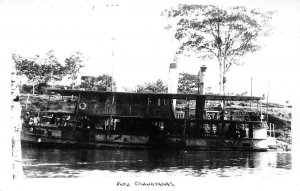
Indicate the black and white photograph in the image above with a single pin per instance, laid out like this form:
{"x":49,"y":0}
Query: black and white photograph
{"x":149,"y":95}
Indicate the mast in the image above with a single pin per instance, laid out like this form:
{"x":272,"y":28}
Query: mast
{"x":186,"y":114}
{"x":76,"y":110}
{"x":111,"y":113}
{"x":268,"y":104}
{"x":251,"y":91}
{"x":112,"y":64}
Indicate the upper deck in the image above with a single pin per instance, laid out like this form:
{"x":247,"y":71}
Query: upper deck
{"x":148,"y":105}
{"x":156,"y":95}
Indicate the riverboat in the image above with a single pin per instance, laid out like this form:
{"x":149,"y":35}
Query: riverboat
{"x":149,"y":121}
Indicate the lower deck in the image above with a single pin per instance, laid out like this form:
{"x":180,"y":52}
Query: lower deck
{"x":68,"y":136}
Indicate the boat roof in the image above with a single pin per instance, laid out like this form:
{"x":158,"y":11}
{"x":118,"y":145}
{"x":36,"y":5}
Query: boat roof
{"x":159,"y":95}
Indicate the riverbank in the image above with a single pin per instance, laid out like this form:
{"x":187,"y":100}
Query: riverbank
{"x":47,"y":103}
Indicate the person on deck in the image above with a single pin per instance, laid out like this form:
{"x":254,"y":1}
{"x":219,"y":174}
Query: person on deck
{"x":52,"y":121}
{"x":36,"y":120}
{"x":67,"y":120}
{"x":85,"y":122}
{"x":27,"y":118}
{"x":242,"y":133}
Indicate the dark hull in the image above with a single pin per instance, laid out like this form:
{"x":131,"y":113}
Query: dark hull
{"x":60,"y":138}
{"x":26,"y":144}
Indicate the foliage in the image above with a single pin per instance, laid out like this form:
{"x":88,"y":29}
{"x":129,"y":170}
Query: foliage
{"x":212,"y":32}
{"x":128,"y":89}
{"x":73,"y":65}
{"x":39,"y":88}
{"x":187,"y":83}
{"x":26,"y":88}
{"x":40,"y":70}
{"x":154,"y":87}
{"x":100,"y":83}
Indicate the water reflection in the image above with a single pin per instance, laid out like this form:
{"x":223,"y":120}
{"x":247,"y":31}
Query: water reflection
{"x":77,"y":163}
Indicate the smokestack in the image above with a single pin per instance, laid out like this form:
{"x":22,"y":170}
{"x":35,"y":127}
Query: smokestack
{"x":200,"y":102}
{"x":173,"y":78}
{"x":173,"y":81}
{"x":201,"y":80}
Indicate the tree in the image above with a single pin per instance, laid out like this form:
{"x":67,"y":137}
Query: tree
{"x":26,"y":67}
{"x":53,"y":69}
{"x":128,"y":89}
{"x":39,"y":70}
{"x":49,"y":69}
{"x":100,"y":83}
{"x":154,"y":87}
{"x":73,"y":65}
{"x":187,"y":83}
{"x":212,"y":32}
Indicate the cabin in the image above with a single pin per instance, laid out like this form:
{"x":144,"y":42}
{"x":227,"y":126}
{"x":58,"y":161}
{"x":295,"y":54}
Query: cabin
{"x":152,"y":114}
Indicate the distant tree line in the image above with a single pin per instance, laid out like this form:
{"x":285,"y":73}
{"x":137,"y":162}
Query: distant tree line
{"x":41,"y":70}
{"x":187,"y":83}
{"x":103,"y":82}
{"x":153,"y":87}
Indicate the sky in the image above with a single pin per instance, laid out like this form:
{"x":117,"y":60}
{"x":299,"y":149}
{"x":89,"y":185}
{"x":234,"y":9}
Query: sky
{"x":143,"y":49}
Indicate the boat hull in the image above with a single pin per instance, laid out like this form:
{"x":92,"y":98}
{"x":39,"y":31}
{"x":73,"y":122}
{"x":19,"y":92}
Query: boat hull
{"x":68,"y":138}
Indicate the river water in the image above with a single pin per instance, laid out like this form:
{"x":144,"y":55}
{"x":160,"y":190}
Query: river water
{"x":73,"y":163}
